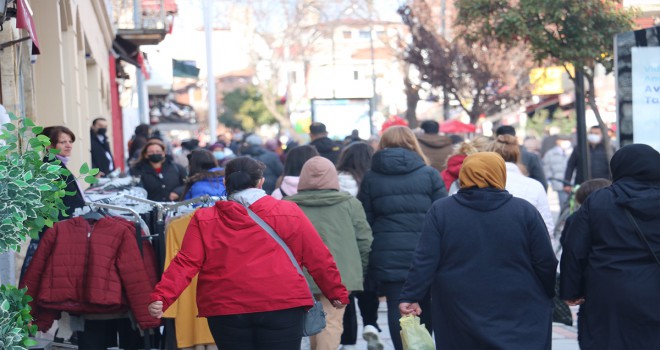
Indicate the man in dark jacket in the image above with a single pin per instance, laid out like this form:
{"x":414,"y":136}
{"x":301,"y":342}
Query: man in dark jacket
{"x":253,"y":147}
{"x":326,"y":147}
{"x":435,"y":147}
{"x":530,"y":160}
{"x":597,"y":158}
{"x":101,"y":154}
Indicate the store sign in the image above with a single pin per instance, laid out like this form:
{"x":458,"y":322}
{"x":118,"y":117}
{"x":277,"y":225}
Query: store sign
{"x":548,"y":80}
{"x":646,"y":95}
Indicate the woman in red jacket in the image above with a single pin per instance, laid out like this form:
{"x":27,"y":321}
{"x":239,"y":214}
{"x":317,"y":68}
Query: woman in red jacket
{"x":248,"y":288}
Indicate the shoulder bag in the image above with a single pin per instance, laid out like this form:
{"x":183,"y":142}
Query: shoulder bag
{"x":314,"y":319}
{"x":641,"y":235}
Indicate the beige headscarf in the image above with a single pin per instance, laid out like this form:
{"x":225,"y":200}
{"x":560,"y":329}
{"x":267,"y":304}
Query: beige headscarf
{"x":484,"y":169}
{"x":318,"y":173}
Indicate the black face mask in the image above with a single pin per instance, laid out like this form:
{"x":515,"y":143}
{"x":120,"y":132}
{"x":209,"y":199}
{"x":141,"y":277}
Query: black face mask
{"x":101,"y":131}
{"x":155,"y":158}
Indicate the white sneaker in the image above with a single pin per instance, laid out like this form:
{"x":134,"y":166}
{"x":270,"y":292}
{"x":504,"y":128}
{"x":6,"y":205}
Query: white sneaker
{"x":370,"y":334}
{"x":348,"y":347}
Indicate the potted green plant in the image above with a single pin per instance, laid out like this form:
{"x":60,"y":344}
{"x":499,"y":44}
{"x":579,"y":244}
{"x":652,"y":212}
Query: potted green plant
{"x":31,"y":192}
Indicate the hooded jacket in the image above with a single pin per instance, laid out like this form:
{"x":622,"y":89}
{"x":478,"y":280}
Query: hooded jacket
{"x":488,"y":260}
{"x":340,"y":221}
{"x":450,"y":174}
{"x":242,"y":269}
{"x":211,"y":184}
{"x":396,"y":194}
{"x":436,"y":148}
{"x":606,"y":262}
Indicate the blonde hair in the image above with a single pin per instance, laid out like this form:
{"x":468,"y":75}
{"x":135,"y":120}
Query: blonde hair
{"x":481,"y":143}
{"x":401,"y":137}
{"x":507,"y":147}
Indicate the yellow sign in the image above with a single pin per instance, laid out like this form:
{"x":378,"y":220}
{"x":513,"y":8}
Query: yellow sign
{"x":548,"y":80}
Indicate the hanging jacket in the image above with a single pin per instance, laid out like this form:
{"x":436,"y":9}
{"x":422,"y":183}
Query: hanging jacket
{"x":85,"y":268}
{"x":242,"y":269}
{"x":396,"y":194}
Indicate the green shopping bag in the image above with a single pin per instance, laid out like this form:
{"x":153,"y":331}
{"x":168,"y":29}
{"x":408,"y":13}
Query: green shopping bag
{"x":414,"y":335}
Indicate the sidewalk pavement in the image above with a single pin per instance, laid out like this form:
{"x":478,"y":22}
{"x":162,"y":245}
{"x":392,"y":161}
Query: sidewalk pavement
{"x":563,"y":337}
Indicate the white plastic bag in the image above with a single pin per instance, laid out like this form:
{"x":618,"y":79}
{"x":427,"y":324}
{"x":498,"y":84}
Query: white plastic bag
{"x":414,"y":335}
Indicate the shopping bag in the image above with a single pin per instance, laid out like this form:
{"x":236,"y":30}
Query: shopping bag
{"x":414,"y":335}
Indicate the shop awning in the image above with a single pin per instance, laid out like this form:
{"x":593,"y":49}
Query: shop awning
{"x":25,"y":21}
{"x":183,"y":69}
{"x":454,"y":126}
{"x":155,"y":5}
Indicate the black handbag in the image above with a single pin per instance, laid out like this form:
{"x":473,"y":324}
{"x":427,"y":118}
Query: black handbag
{"x":314,"y":318}
{"x":561,"y":313}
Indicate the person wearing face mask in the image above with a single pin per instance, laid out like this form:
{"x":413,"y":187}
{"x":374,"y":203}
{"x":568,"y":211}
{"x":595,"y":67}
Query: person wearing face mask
{"x":598,"y":162}
{"x":159,"y":175}
{"x":222,"y":153}
{"x":554,"y":166}
{"x":101,"y":154}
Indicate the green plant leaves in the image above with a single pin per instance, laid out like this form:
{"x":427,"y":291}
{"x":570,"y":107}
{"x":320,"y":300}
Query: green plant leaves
{"x":84,"y":169}
{"x":15,"y":319}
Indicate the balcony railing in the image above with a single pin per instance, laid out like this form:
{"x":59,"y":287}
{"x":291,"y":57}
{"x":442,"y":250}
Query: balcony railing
{"x":143,"y":21}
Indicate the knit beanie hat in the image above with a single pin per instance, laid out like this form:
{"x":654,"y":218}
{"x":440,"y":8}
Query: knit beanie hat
{"x":318,"y":173}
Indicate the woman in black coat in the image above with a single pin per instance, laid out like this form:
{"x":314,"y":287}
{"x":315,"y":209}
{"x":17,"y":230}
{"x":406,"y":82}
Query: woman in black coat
{"x":489,"y":262}
{"x":608,"y":267}
{"x":396,"y":194}
{"x":159,"y":175}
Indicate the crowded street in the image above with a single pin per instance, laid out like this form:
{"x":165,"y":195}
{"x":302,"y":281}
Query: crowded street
{"x":329,"y":174}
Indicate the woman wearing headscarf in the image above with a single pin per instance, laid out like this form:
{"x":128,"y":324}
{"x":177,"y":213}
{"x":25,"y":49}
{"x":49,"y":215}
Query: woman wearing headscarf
{"x":487,"y":258}
{"x":609,"y":264}
{"x":396,"y":193}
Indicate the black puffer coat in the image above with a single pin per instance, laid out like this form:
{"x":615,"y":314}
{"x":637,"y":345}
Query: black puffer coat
{"x":274,"y":167}
{"x":396,"y":194}
{"x":159,"y":186}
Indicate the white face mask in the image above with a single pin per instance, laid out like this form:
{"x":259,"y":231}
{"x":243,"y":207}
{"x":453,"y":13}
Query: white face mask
{"x":594,"y":138}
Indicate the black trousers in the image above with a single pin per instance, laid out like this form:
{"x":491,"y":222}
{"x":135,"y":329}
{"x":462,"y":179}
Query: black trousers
{"x":272,"y":330}
{"x":392,"y":292}
{"x":368,"y":303}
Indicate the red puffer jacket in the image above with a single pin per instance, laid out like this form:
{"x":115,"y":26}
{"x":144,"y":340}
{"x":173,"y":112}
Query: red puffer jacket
{"x":88,"y":268}
{"x":241,"y":267}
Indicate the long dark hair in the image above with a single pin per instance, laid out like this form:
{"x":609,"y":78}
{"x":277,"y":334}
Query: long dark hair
{"x":296,"y":158}
{"x":242,"y":173}
{"x":356,"y":160}
{"x":200,"y":161}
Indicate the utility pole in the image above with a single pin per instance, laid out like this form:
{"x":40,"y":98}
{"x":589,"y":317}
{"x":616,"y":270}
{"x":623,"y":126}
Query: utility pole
{"x":372,"y":107}
{"x":142,"y":96}
{"x":580,"y":114}
{"x":212,"y":114}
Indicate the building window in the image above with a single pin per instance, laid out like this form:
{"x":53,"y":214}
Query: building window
{"x":356,"y":75}
{"x":347,"y":34}
{"x":365,"y":34}
{"x":380,"y":33}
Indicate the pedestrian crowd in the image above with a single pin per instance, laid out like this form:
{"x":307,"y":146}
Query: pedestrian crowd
{"x":458,"y":232}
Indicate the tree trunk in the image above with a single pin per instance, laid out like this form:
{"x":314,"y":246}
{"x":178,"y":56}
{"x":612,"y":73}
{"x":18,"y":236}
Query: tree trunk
{"x":591,"y":100}
{"x":412,"y":98}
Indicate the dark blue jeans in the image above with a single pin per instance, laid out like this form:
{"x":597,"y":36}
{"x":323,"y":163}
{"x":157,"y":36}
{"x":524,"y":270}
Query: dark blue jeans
{"x":392,"y":291}
{"x":272,"y":330}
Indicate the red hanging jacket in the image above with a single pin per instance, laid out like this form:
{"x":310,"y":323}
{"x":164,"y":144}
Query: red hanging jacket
{"x":242,"y":269}
{"x":86,"y":268}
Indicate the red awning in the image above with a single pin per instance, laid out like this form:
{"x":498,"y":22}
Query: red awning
{"x":25,"y":21}
{"x":454,"y":126}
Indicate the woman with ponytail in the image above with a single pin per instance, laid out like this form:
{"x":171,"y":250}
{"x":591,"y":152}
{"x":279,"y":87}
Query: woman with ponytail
{"x":248,"y":288}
